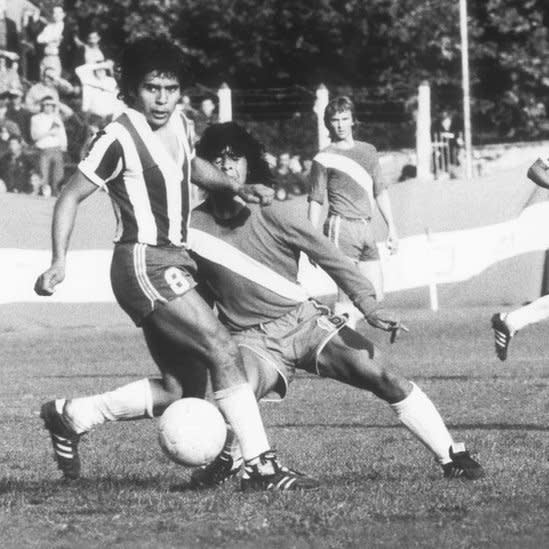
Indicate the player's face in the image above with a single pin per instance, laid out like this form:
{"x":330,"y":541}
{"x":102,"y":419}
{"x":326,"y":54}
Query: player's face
{"x":233,"y":165}
{"x":341,"y":125}
{"x":157,"y":98}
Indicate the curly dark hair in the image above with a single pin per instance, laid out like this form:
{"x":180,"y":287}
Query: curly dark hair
{"x":145,"y":55}
{"x":232,"y":136}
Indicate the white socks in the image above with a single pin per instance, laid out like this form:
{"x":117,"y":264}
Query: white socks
{"x":422,"y":419}
{"x":534,"y":312}
{"x":132,"y":401}
{"x":240,"y":408}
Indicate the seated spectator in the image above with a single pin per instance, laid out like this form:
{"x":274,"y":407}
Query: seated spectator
{"x":4,"y":140}
{"x":49,"y":137}
{"x":99,"y":90}
{"x":17,"y":113}
{"x":32,"y":24}
{"x":90,"y":50}
{"x":9,"y":77}
{"x":11,"y":126}
{"x":286,"y":181}
{"x":304,"y":176}
{"x":9,"y":37}
{"x":50,"y":86}
{"x":17,"y":168}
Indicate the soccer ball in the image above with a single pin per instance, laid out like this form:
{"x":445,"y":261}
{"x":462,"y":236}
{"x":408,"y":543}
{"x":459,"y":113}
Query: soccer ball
{"x":192,"y":432}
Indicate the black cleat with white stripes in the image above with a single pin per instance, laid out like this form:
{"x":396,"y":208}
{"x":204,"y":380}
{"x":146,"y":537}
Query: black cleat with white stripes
{"x":64,"y":441}
{"x":502,"y":336}
{"x":265,"y":473}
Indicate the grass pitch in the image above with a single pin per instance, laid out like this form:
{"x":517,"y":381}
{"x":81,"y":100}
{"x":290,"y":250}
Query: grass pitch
{"x":380,"y":487}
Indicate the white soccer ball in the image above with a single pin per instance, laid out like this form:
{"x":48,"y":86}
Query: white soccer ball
{"x":192,"y":432}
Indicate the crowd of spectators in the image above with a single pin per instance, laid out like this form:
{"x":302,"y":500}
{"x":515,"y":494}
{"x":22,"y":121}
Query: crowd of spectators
{"x":57,"y":89}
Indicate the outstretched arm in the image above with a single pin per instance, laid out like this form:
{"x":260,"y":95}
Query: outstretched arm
{"x":78,"y":188}
{"x":206,"y":175}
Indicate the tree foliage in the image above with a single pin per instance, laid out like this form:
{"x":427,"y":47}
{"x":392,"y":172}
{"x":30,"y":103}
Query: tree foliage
{"x":387,"y":46}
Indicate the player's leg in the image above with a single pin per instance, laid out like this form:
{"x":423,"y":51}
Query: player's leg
{"x":351,"y":358}
{"x":264,"y":378}
{"x":194,"y":331}
{"x":371,"y":270}
{"x":506,"y":325}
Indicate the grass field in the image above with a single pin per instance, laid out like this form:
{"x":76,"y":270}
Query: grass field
{"x":380,"y":488}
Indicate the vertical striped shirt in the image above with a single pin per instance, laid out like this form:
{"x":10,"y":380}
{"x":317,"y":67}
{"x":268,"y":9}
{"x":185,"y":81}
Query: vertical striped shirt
{"x":351,"y":177}
{"x":150,"y":190}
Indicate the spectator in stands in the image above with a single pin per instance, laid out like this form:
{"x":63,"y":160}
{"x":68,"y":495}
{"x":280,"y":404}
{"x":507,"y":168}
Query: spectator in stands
{"x":304,"y":175}
{"x":9,"y":38}
{"x":9,"y":77}
{"x":89,"y":51}
{"x":49,"y":137}
{"x":17,"y":113}
{"x":58,"y":40}
{"x":286,"y":181}
{"x":4,"y":140}
{"x":32,"y":24}
{"x":11,"y":126}
{"x":99,"y":89}
{"x":17,"y":168}
{"x":449,"y":128}
{"x":51,"y":85}
{"x":205,"y":115}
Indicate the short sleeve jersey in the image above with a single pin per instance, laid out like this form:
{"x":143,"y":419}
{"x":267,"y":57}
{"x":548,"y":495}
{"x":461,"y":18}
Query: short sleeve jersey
{"x":351,"y":177}
{"x":149,"y":189}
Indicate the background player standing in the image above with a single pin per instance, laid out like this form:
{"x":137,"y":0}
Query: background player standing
{"x":145,"y":159}
{"x":350,"y":173}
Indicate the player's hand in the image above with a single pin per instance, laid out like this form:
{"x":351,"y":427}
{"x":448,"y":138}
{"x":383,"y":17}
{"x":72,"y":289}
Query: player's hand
{"x":392,"y":243}
{"x":258,"y":193}
{"x":388,"y":323}
{"x":45,"y":284}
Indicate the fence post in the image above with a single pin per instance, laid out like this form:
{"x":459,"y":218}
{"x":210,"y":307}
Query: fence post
{"x":322,"y":98}
{"x":225,"y":103}
{"x":423,"y":132}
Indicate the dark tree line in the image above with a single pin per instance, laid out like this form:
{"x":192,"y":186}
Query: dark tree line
{"x":387,"y":46}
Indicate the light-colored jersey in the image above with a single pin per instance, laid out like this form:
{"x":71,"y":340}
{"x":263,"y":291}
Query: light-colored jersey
{"x":251,"y":262}
{"x":351,"y":178}
{"x":149,"y":188}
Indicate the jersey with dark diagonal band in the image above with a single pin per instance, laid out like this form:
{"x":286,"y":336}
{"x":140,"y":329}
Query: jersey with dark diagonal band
{"x":351,"y":177}
{"x":250,"y":263}
{"x":150,"y":190}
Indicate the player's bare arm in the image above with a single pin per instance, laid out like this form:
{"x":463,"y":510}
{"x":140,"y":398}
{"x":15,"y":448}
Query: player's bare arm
{"x":384,"y":204}
{"x":77,"y":189}
{"x":209,"y":177}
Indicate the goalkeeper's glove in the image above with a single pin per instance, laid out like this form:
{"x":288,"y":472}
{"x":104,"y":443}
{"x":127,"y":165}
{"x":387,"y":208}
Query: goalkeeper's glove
{"x":385,"y":321}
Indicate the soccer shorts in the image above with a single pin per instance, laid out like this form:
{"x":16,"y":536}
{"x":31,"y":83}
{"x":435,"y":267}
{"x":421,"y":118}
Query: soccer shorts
{"x":292,"y":341}
{"x":354,"y":237}
{"x":143,"y":276}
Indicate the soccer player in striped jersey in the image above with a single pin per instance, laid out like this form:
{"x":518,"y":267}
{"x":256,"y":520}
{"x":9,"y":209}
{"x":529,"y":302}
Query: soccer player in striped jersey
{"x":348,"y":171}
{"x":248,"y":261}
{"x":145,"y":160}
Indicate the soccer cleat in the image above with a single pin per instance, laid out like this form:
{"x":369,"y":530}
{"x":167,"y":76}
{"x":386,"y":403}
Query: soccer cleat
{"x":64,"y":441}
{"x":462,"y":465}
{"x":265,"y":473}
{"x":223,"y":468}
{"x":502,"y":336}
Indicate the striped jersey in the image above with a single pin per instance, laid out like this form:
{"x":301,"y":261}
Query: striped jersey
{"x":250,"y":263}
{"x":150,"y":190}
{"x":351,"y":177}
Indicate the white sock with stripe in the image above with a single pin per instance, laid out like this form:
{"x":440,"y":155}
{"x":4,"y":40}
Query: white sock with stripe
{"x":240,"y":408}
{"x":131,"y":401}
{"x":422,"y":419}
{"x":534,"y":312}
